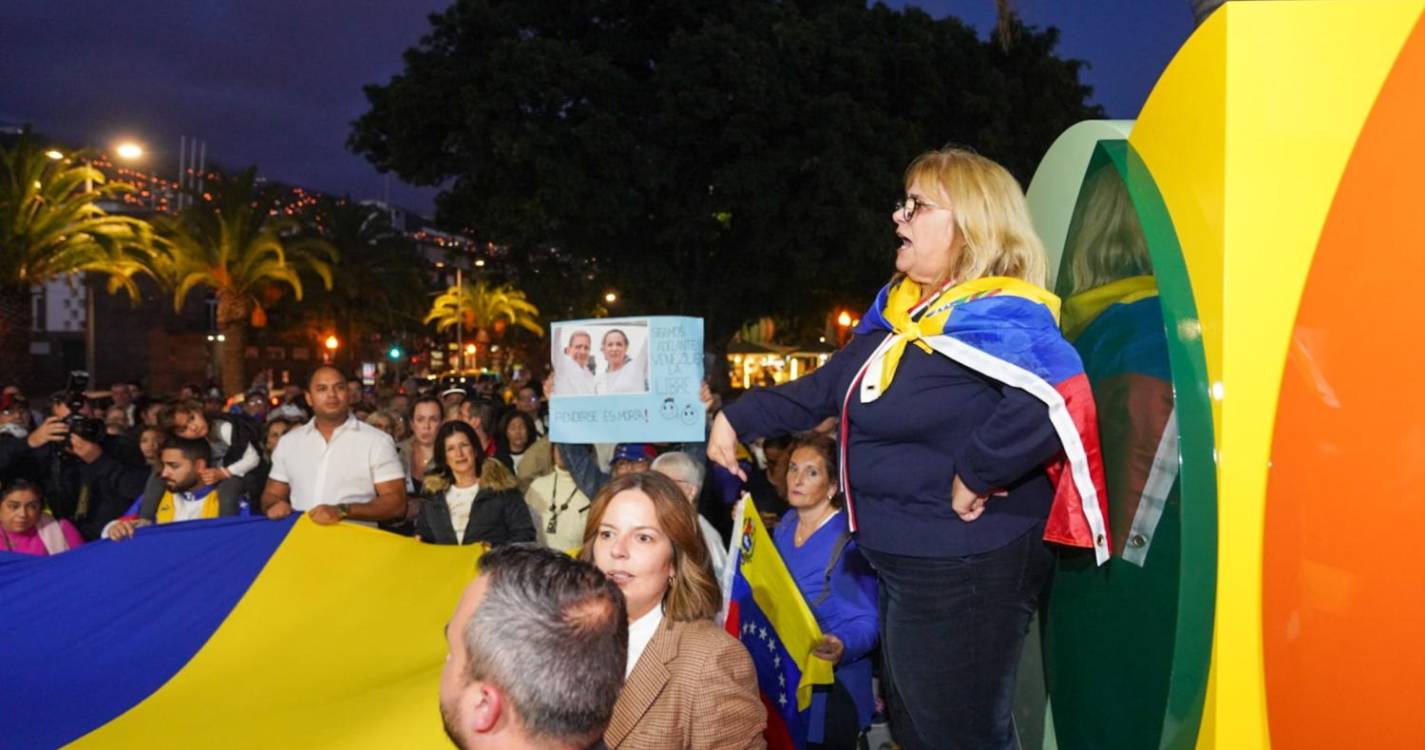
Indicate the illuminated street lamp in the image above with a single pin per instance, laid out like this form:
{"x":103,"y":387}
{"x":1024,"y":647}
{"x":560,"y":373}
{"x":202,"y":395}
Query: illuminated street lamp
{"x":332,"y":343}
{"x":54,"y":155}
{"x":611,"y":298}
{"x":128,"y":151}
{"x":844,"y":319}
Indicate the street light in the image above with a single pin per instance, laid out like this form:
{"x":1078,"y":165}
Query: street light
{"x":54,"y":155}
{"x":611,"y":298}
{"x":128,"y":150}
{"x":332,"y":343}
{"x":844,"y":319}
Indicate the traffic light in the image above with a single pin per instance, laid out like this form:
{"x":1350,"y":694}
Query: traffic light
{"x":395,"y":352}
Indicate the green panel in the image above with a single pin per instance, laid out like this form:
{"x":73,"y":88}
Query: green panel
{"x":1128,"y":647}
{"x":1197,"y":590}
{"x":1058,"y":178}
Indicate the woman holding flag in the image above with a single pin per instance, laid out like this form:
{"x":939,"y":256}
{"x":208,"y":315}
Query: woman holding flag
{"x":835,"y":581}
{"x":968,"y":438}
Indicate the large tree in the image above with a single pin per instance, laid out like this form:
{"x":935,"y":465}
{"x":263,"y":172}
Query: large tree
{"x":51,"y":227}
{"x":237,"y":244}
{"x":727,"y":160}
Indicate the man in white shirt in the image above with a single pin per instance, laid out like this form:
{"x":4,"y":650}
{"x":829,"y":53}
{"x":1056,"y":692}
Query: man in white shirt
{"x":334,"y":466}
{"x":571,"y":371}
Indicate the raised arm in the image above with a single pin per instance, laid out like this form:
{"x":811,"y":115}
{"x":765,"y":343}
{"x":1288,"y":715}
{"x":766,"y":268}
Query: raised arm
{"x":787,"y":408}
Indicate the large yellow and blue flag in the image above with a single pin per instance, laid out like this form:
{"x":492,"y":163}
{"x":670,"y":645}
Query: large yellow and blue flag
{"x":229,"y":633}
{"x":767,"y":612}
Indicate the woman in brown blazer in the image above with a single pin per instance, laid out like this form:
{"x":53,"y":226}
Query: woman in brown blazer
{"x":689,"y":684}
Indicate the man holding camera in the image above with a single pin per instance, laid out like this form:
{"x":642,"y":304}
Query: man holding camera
{"x":89,"y":477}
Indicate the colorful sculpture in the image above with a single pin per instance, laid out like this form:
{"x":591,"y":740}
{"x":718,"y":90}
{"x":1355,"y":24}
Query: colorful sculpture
{"x":1274,"y":594}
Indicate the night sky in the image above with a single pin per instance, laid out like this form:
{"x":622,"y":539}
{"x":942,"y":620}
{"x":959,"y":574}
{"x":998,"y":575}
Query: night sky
{"x":277,"y":82}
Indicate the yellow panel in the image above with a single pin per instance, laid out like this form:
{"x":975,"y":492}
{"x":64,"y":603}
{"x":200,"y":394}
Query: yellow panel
{"x":1181,"y":138}
{"x":1246,"y":135}
{"x":1301,"y":79}
{"x":337,"y":644}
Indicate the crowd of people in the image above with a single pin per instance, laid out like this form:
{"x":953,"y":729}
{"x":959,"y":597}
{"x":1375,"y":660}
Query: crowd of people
{"x":930,"y":585}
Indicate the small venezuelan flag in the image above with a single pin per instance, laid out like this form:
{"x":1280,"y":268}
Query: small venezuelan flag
{"x":768,"y":614}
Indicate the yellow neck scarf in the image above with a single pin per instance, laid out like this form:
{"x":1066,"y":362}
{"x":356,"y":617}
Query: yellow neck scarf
{"x":906,"y":295}
{"x":167,"y":507}
{"x":1084,"y":308}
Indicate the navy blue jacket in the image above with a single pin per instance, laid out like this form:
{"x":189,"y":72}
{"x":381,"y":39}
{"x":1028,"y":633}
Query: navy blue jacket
{"x":937,"y":419}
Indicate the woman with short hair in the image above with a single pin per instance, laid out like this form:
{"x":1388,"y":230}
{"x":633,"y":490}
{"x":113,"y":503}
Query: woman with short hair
{"x":835,"y":580}
{"x":622,"y":373}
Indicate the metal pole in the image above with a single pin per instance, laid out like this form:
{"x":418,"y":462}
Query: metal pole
{"x":88,"y":292}
{"x":89,"y":332}
{"x":459,"y":321}
{"x":182,"y":157}
{"x":202,"y":167}
{"x":192,"y":166}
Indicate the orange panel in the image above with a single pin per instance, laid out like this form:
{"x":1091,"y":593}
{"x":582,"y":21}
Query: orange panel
{"x":1344,"y":568}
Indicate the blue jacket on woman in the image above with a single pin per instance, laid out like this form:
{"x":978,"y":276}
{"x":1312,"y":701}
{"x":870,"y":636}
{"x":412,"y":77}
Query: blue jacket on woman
{"x":937,"y":419}
{"x":841,"y":596}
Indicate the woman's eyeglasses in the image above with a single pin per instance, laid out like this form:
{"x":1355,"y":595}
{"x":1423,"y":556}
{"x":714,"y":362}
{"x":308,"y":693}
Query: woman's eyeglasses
{"x":907,"y":207}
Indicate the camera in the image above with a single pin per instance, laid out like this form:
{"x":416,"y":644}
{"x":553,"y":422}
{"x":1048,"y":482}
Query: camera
{"x":74,"y":387}
{"x":85,"y":427}
{"x":89,"y":428}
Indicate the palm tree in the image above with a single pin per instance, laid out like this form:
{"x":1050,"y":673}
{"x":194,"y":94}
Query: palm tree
{"x":1006,"y":24}
{"x":482,"y":309}
{"x":50,"y":227}
{"x":380,"y":282}
{"x":237,"y":245}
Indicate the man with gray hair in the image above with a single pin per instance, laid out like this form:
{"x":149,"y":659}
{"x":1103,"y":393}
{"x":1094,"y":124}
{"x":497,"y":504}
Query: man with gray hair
{"x":687,"y":473}
{"x":538,"y":645}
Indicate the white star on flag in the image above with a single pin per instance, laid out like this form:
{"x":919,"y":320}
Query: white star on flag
{"x":782,"y":699}
{"x":763,"y":636}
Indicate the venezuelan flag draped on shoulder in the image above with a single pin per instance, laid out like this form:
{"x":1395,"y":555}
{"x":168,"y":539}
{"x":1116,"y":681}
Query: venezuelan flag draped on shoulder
{"x":766,"y":611}
{"x":230,"y":632}
{"x":1006,"y":329}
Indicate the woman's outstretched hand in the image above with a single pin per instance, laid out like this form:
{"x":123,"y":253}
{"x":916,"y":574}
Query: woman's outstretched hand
{"x":722,"y":446}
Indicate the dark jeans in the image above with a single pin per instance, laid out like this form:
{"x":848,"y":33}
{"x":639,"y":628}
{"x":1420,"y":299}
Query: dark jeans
{"x":842,"y":727}
{"x":952,"y":630}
